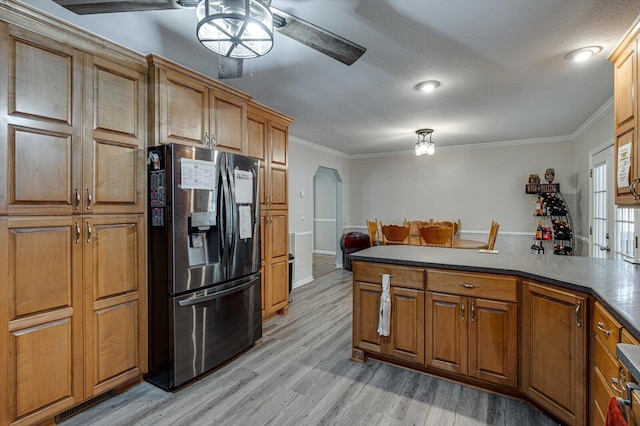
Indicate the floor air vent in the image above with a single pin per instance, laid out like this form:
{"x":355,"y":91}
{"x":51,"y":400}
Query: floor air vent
{"x":87,"y":404}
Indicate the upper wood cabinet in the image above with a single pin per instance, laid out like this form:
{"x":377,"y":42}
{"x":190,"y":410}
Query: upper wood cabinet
{"x":67,"y":153}
{"x":554,"y":350}
{"x":191,"y":109}
{"x":269,"y":141}
{"x":626,"y":122}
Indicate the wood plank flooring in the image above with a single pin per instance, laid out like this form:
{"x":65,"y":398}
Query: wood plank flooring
{"x":300,"y":374}
{"x":323,"y":264}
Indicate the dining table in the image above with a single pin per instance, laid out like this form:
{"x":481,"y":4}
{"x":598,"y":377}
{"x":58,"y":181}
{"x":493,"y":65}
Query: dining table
{"x":468,"y":244}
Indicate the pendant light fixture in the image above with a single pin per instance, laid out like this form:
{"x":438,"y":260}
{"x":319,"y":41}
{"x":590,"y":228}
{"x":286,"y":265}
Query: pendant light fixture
{"x":239,"y":29}
{"x":423,"y":146}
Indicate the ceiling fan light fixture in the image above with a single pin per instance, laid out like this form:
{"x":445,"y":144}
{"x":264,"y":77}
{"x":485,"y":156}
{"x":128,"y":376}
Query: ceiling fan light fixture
{"x":424,"y":146}
{"x":428,"y":86}
{"x":240,"y":29}
{"x":582,"y":54}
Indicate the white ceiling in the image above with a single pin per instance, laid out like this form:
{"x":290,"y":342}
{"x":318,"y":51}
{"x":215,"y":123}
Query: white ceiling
{"x":500,"y":63}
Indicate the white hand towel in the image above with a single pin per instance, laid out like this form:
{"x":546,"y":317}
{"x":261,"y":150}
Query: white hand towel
{"x":385,"y":307}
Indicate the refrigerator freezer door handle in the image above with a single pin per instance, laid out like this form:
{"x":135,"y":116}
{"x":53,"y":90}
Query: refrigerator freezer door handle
{"x":201,"y":299}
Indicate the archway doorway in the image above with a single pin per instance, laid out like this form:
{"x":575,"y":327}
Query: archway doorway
{"x":327,"y":220}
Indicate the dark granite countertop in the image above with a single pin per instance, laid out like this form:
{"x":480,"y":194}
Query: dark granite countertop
{"x":630,"y":357}
{"x":615,"y":283}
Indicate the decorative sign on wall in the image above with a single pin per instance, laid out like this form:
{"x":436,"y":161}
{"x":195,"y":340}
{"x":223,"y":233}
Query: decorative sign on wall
{"x":544,"y":187}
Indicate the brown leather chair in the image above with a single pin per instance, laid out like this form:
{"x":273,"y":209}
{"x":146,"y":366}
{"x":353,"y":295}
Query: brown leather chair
{"x":395,"y":234}
{"x":436,"y":236}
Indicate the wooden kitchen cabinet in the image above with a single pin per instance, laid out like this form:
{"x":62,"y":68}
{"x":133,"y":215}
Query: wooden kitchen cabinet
{"x":72,"y":133}
{"x":275,"y":279}
{"x":42,"y":357}
{"x":406,"y":329}
{"x":626,"y":122}
{"x":115,"y":300}
{"x":189,"y":108}
{"x":268,"y":141}
{"x":554,"y":354}
{"x":52,"y":167}
{"x":469,"y":334}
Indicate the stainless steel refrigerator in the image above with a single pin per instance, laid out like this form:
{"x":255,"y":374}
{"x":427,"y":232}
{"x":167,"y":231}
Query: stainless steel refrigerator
{"x":204,"y":261}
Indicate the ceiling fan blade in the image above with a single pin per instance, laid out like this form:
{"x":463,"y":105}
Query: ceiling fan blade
{"x":88,"y":7}
{"x":229,"y":67}
{"x":317,"y":38}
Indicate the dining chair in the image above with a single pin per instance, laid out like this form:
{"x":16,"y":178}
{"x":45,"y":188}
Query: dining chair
{"x":372,"y":227}
{"x":436,"y":236}
{"x":395,"y":234}
{"x":493,"y":234}
{"x":414,"y":232}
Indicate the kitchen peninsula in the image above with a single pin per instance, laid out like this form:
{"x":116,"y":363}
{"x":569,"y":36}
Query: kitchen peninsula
{"x":512,"y":324}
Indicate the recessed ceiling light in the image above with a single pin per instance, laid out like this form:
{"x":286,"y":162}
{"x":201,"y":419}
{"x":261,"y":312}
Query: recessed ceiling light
{"x":428,"y":86}
{"x":583,"y":54}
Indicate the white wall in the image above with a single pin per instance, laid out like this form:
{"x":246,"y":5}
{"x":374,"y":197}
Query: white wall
{"x":304,"y":160}
{"x":325,"y":214}
{"x":474,"y":184}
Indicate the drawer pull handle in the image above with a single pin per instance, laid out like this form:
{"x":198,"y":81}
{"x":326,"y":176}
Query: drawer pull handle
{"x":600,"y":326}
{"x":614,"y":382}
{"x":468,"y":285}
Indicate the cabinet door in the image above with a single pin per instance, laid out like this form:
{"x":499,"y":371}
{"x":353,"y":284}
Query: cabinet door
{"x":446,"y":332}
{"x":183,"y":109}
{"x":41,"y":124}
{"x":406,"y":337}
{"x":228,"y":122}
{"x":41,"y":302}
{"x":493,"y":341}
{"x":277,"y":262}
{"x":554,"y":335}
{"x":366,"y":313}
{"x":625,"y":116}
{"x":257,"y":136}
{"x":277,"y":190}
{"x":114,"y":144}
{"x":115,"y":301}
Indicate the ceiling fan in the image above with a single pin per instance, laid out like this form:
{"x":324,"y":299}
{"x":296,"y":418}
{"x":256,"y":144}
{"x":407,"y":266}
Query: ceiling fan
{"x":296,"y":28}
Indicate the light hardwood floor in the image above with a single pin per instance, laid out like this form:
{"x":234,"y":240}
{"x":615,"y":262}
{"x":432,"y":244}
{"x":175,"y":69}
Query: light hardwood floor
{"x":300,"y":374}
{"x":323,"y":264}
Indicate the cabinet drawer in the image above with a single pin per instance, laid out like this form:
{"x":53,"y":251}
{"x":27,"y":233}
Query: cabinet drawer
{"x":401,"y":276}
{"x":607,"y":364}
{"x":489,"y":286}
{"x":601,"y":396}
{"x":606,"y":327}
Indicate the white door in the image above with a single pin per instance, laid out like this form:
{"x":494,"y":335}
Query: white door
{"x":602,"y":207}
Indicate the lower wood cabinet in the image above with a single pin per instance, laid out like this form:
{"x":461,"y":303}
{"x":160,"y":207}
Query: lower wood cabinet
{"x":406,"y":329}
{"x":72,"y":291}
{"x":554,"y":350}
{"x":472,"y":336}
{"x":275,"y":260}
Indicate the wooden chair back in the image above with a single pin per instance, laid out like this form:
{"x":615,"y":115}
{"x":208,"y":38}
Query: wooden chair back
{"x":414,"y":232}
{"x":372,"y":227}
{"x":436,"y":236}
{"x":493,"y":234}
{"x":395,"y":234}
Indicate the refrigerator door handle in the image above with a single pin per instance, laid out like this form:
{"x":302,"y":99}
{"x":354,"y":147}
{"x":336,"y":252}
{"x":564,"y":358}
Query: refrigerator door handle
{"x":206,"y":298}
{"x":234,"y":231}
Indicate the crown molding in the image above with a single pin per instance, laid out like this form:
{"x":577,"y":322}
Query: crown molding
{"x":605,"y":109}
{"x":317,"y":147}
